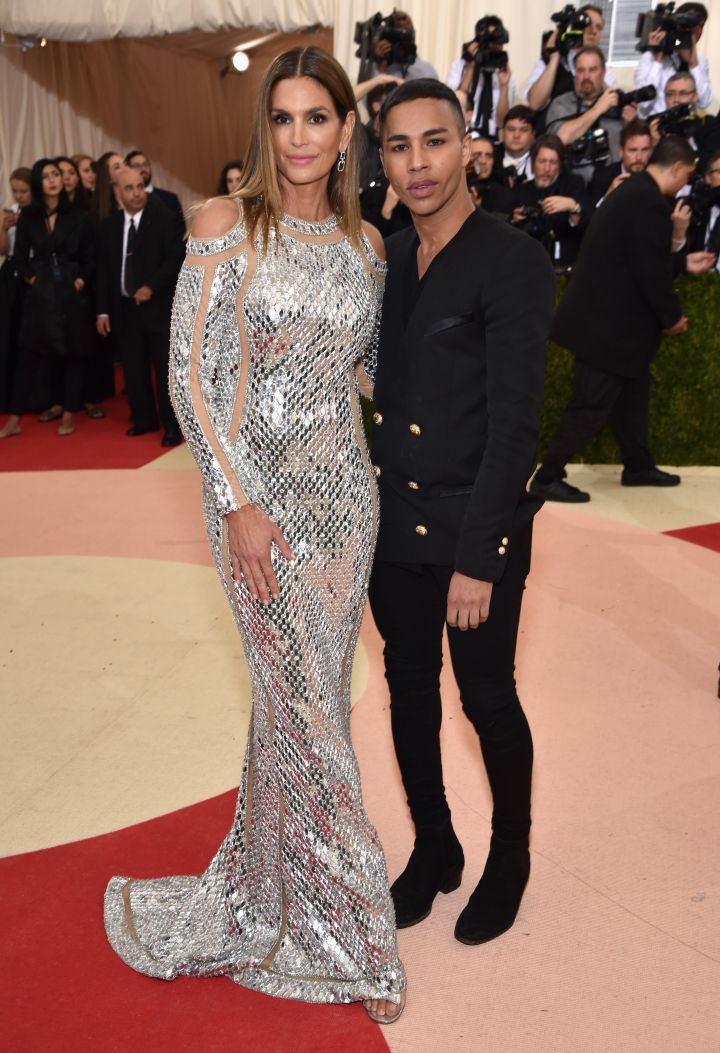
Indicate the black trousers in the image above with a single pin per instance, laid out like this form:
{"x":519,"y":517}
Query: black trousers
{"x":409,"y":605}
{"x":43,"y":379}
{"x":600,"y":398}
{"x":144,"y":344}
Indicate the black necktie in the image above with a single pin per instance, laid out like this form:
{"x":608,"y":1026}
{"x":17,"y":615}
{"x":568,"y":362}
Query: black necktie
{"x":713,"y":244}
{"x":128,"y":264}
{"x":486,"y":104}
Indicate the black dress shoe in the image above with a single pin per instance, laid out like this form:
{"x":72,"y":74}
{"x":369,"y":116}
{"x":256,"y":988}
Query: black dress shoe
{"x":651,"y":477}
{"x":493,"y":906}
{"x":132,"y":432}
{"x":435,"y":865}
{"x":171,"y":438}
{"x":559,"y":490}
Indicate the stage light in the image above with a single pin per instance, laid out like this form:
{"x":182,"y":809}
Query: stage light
{"x":240,"y":61}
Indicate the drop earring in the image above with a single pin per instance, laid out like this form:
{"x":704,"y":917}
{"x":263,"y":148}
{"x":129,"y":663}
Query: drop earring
{"x":341,"y":161}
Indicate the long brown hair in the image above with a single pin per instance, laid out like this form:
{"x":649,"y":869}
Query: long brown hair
{"x":259,"y":187}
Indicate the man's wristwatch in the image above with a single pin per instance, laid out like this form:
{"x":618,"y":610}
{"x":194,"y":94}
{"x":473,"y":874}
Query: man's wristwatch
{"x":577,"y":210}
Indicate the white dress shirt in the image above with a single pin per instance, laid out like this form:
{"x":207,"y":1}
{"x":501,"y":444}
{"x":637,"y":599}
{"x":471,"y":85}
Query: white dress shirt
{"x":454,"y":80}
{"x":569,"y":62}
{"x":650,"y":71}
{"x":136,"y":219}
{"x":521,"y":164}
{"x":714,"y":218}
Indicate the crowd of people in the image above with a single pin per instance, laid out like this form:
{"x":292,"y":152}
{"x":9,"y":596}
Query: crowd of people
{"x":93,"y":247}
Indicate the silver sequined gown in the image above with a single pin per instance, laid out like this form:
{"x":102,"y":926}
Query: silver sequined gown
{"x":267,"y":355}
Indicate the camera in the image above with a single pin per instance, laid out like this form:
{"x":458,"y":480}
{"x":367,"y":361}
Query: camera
{"x":490,"y":34}
{"x":678,"y":120}
{"x":626,"y":98}
{"x":701,"y":199}
{"x":592,"y":148}
{"x":570,"y":28}
{"x":538,"y":225}
{"x":676,"y":27}
{"x":403,"y":50}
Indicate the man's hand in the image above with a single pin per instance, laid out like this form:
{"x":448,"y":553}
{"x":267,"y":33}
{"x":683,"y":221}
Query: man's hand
{"x":655,"y":131}
{"x":504,"y":76}
{"x":250,"y":536}
{"x":143,"y":294}
{"x":681,"y":216}
{"x":700,"y":262}
{"x":556,"y":203}
{"x":9,"y":220}
{"x":468,"y":602}
{"x":679,"y":327}
{"x":620,"y":178}
{"x":629,"y":112}
{"x":390,"y":203}
{"x":607,"y":101}
{"x":102,"y":324}
{"x":654,"y":40}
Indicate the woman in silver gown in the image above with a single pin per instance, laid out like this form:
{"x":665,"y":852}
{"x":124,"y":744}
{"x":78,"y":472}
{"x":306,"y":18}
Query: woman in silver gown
{"x":274,"y":329}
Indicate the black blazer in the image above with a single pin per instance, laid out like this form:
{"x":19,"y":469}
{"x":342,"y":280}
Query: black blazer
{"x":620,"y":295}
{"x":157,"y":257}
{"x":172,"y":204}
{"x":602,"y":177}
{"x":457,"y":396}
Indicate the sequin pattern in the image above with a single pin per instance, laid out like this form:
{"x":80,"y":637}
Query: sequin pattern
{"x":267,"y":356}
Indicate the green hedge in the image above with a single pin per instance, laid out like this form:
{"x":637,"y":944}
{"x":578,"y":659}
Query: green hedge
{"x":685,"y":406}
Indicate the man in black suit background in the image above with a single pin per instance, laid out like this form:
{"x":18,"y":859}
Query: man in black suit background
{"x":619,"y":301}
{"x":139,"y":255}
{"x":635,"y":149}
{"x":466,"y":313}
{"x":141,"y":163}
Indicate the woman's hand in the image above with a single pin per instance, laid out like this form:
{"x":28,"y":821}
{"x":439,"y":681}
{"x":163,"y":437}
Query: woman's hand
{"x":250,"y":536}
{"x":79,"y":284}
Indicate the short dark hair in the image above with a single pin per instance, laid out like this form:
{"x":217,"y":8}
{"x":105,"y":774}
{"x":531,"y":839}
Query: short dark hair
{"x":591,"y":49}
{"x":592,"y":7}
{"x":670,"y":150}
{"x":135,"y":153}
{"x":422,"y":88}
{"x":23,"y":175}
{"x":710,"y":160}
{"x":692,"y":8}
{"x":632,"y":128}
{"x":377,"y":94}
{"x":522,"y":113}
{"x":548,"y":142}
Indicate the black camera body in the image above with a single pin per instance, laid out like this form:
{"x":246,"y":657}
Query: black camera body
{"x":626,"y":98}
{"x":592,"y":148}
{"x":676,"y":27}
{"x":701,"y":199}
{"x":489,"y":33}
{"x":678,"y":120}
{"x":403,"y":49}
{"x":538,"y":224}
{"x":570,"y":28}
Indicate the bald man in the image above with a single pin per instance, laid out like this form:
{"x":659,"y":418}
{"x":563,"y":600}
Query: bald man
{"x":139,"y":255}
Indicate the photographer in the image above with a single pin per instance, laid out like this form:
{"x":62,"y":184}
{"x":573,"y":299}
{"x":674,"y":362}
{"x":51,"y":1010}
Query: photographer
{"x":552,"y":206}
{"x":484,"y":74}
{"x":391,"y":49}
{"x":553,"y":74}
{"x":587,"y":119}
{"x":704,"y":204}
{"x":635,"y":148}
{"x":656,"y":68}
{"x":486,"y":191}
{"x":679,"y":117}
{"x":513,"y":151}
{"x":379,"y":204}
{"x":619,"y":301}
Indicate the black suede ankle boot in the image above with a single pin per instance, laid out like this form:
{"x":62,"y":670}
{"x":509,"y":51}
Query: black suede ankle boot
{"x":436,"y":865}
{"x":493,"y":906}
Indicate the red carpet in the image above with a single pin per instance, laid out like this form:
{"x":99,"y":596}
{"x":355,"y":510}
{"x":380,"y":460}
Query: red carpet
{"x":707,"y":535}
{"x":58,"y":968}
{"x":95,"y":444}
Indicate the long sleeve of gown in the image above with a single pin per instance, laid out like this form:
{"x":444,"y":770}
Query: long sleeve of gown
{"x":207,"y":365}
{"x":367,"y":366}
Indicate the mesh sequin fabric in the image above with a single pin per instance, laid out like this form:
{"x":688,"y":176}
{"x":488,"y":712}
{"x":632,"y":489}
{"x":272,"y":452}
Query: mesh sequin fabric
{"x":265,"y":356}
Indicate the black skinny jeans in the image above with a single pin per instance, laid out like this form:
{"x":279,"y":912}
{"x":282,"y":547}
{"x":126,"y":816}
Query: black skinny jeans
{"x":409,"y":604}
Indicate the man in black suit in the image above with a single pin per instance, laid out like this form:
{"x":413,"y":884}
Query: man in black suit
{"x":553,"y":205}
{"x":140,"y":254}
{"x":141,"y":163}
{"x":467,"y":308}
{"x":635,"y":149}
{"x":705,"y":233}
{"x":619,"y":300}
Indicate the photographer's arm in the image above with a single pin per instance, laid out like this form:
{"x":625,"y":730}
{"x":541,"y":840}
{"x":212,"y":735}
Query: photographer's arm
{"x":505,"y":79}
{"x":649,"y":70}
{"x":361,"y":90}
{"x":568,"y":129}
{"x":701,"y":73}
{"x":538,"y":93}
